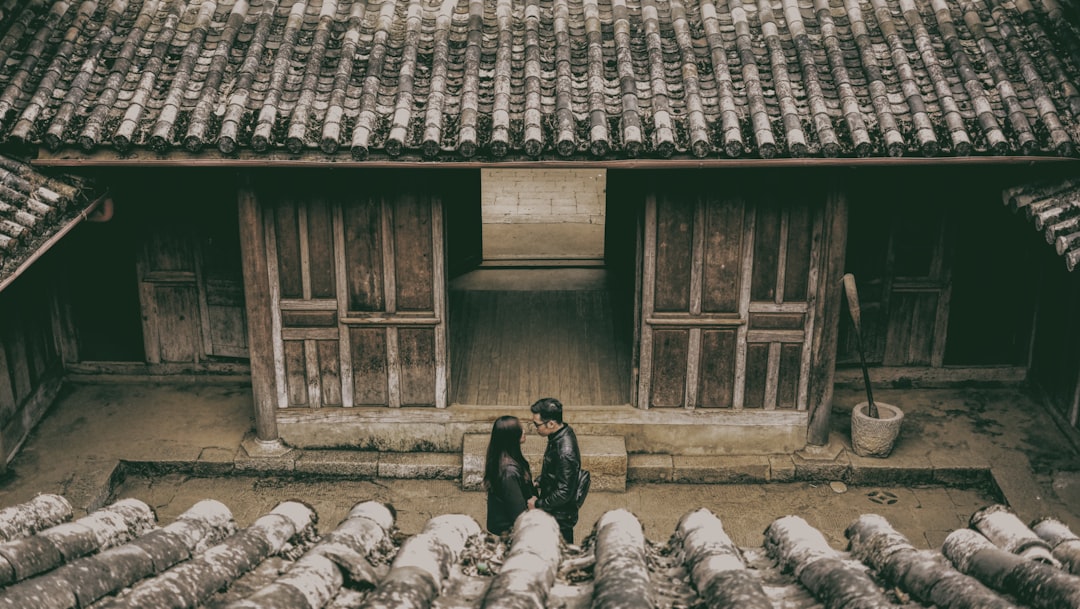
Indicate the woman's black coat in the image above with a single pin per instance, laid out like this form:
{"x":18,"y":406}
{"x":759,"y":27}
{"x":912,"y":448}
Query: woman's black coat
{"x":508,"y":497}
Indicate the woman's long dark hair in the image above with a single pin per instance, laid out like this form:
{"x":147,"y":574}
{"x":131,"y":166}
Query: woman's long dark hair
{"x":505,"y":442}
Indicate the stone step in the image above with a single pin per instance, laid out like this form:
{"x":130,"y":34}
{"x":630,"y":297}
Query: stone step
{"x":603,"y":456}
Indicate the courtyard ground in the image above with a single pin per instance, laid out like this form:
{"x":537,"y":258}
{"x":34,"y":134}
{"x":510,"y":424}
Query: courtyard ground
{"x":193,"y":433}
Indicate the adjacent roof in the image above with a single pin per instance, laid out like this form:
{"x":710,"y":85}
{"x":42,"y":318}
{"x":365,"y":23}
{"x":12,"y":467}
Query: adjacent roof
{"x":35,"y":211}
{"x":1053,"y":207}
{"x":118,"y":558}
{"x":531,"y":79}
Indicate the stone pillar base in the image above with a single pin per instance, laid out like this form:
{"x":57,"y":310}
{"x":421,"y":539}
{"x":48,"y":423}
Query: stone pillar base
{"x":257,"y":448}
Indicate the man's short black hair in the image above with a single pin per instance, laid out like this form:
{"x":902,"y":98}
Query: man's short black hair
{"x":549,"y":409}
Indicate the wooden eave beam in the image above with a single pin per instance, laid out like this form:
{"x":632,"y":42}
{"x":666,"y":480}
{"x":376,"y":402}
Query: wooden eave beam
{"x":248,"y":159}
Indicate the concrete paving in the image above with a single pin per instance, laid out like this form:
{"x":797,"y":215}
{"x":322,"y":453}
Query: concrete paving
{"x":173,"y":444}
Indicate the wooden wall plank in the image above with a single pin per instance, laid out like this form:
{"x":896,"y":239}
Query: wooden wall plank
{"x":800,"y":228}
{"x":363,"y":254}
{"x":287,"y":238}
{"x":342,"y":304}
{"x":669,"y":368}
{"x":646,"y":306}
{"x":717,"y":382}
{"x":368,"y":356}
{"x":438,"y":261}
{"x":777,"y":321}
{"x":329,"y":372}
{"x":322,"y":319}
{"x":169,"y":249}
{"x":673,"y":251}
{"x":723,"y":253}
{"x":772,"y":377}
{"x":416,"y":356}
{"x":296,"y":373}
{"x":413,"y":253}
{"x":746,"y":270}
{"x":320,"y":249}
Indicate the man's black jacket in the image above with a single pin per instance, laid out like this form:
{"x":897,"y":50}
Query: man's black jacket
{"x":559,"y":477}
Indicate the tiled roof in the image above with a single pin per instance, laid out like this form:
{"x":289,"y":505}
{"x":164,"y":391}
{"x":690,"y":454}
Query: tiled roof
{"x":1053,"y":208}
{"x":118,"y":558}
{"x":34,"y":208}
{"x":528,"y":79}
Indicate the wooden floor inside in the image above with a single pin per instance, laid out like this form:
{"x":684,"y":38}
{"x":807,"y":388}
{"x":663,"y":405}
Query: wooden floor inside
{"x":520,"y":335}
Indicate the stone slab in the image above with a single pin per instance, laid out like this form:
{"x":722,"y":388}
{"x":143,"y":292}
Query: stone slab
{"x":420,"y":466}
{"x":735,"y":469}
{"x":649,"y":468}
{"x":910,"y":469}
{"x":807,"y":470}
{"x":959,"y":467}
{"x":338,"y":463}
{"x":781,"y":468}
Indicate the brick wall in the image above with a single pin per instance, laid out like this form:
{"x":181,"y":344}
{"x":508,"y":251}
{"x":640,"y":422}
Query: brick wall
{"x":542,"y":196}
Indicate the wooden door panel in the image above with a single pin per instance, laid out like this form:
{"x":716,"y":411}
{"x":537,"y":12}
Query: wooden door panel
{"x":296,"y":373}
{"x":363,"y":259}
{"x":413,"y":257}
{"x":670,"y":352}
{"x":717,"y":369}
{"x":766,"y":252}
{"x":757,"y":372}
{"x":225,"y":328}
{"x":176,"y":308}
{"x":287,"y":237}
{"x":416,"y":356}
{"x":910,"y":337}
{"x":789,"y":376}
{"x":800,"y":228}
{"x":723,"y":255}
{"x":674,"y":251}
{"x":329,"y":367}
{"x":369,"y":366}
{"x":320,"y":248}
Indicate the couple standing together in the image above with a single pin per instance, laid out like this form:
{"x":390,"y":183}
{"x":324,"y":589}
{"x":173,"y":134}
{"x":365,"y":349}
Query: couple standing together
{"x":509,"y":483}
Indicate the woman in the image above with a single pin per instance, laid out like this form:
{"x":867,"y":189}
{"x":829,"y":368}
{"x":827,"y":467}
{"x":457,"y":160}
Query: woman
{"x":507,"y":478}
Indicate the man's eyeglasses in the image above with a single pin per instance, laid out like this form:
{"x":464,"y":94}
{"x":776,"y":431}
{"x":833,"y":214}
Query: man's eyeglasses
{"x":539,"y":425}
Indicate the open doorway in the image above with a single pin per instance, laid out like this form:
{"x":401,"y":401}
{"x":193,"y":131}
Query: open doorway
{"x":540,"y":313}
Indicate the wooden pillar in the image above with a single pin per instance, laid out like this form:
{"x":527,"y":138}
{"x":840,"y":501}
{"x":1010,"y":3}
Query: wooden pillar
{"x":257,"y":305}
{"x":829,"y":303}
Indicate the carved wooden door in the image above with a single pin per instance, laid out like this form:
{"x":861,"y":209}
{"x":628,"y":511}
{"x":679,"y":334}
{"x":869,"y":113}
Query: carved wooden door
{"x":727,"y":297}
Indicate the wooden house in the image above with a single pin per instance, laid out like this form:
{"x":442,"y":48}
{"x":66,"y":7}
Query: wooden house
{"x":294,"y":192}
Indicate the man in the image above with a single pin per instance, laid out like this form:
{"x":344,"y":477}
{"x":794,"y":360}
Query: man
{"x":558,"y":480}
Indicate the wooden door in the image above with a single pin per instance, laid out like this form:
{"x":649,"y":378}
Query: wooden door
{"x":168,"y":293}
{"x":358,"y":289}
{"x":728,"y":284}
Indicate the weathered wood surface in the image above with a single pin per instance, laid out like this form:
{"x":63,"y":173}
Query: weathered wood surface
{"x":1035,"y":584}
{"x":836,"y":582}
{"x":507,"y":346}
{"x":188,"y":584}
{"x":84,"y":581}
{"x":525,"y":579}
{"x":423,"y":564}
{"x":39,"y":513}
{"x":1005,"y":530}
{"x":1064,"y":544}
{"x":113,"y":525}
{"x":341,"y":558}
{"x":717,"y":567}
{"x":925,"y":575}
